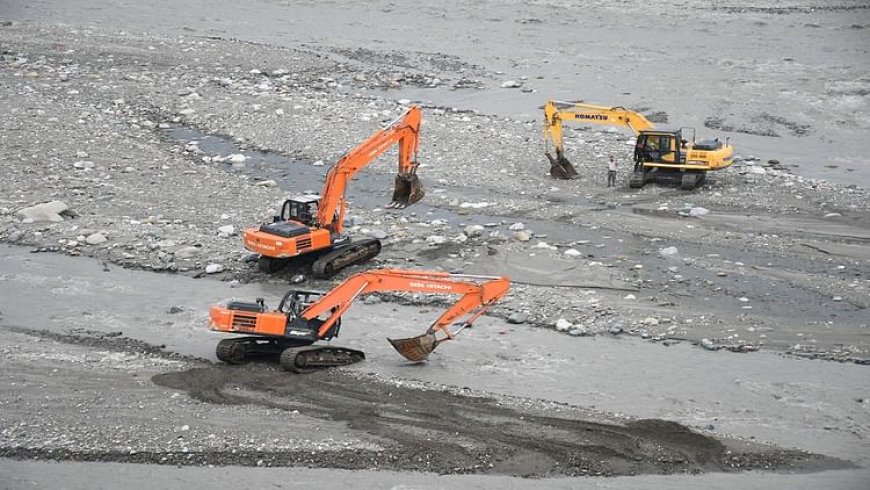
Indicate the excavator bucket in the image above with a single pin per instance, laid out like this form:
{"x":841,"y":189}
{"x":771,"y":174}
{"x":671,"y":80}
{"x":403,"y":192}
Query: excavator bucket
{"x":561,"y":168}
{"x":408,"y":190}
{"x":416,"y":349}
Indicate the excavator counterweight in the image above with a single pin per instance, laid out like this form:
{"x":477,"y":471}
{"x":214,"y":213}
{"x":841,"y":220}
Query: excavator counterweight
{"x":303,"y":318}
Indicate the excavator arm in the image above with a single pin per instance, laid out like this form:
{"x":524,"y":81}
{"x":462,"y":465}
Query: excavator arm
{"x":478,"y":294}
{"x":404,"y":130}
{"x":555,"y":112}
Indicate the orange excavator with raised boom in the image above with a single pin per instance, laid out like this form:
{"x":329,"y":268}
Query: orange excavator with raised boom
{"x":657,"y":153}
{"x":314,"y":224}
{"x":304,"y":317}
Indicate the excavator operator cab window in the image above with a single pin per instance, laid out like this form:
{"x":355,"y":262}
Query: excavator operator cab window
{"x":299,"y":210}
{"x":657,"y":147}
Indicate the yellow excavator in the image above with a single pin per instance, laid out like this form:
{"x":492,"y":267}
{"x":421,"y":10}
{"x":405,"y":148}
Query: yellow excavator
{"x":657,"y":153}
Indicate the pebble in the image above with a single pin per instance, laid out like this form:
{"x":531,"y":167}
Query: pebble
{"x":511,"y":84}
{"x":372,"y":299}
{"x":96,"y":239}
{"x":226,"y":231}
{"x":562,"y":325}
{"x":436,"y":239}
{"x":573,"y":253}
{"x":297,"y":278}
{"x":668,"y":251}
{"x":697,"y":212}
{"x":522,"y":236}
{"x":517,"y":318}
{"x":473,"y":230}
{"x":236,"y":158}
{"x":187,"y":252}
{"x":266,"y":183}
{"x":376,"y":233}
{"x":517,"y":227}
{"x":213,"y":268}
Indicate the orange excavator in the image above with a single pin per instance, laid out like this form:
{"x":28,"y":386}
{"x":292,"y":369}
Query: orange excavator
{"x":314,"y":224}
{"x":305,"y":317}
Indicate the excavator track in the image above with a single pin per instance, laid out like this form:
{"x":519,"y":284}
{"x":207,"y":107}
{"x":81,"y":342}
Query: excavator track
{"x":354,"y":252}
{"x":637,"y":180}
{"x":309,"y":359}
{"x":232,"y":351}
{"x":690,"y":180}
{"x":239,"y":350}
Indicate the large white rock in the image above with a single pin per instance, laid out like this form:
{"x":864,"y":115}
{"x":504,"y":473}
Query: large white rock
{"x":668,"y":251}
{"x":226,"y":231}
{"x":376,"y":233}
{"x":96,"y":239}
{"x":522,"y":236}
{"x":213,"y":268}
{"x":573,"y":253}
{"x":563,"y":325}
{"x":473,"y":230}
{"x":236,"y":158}
{"x":187,"y":252}
{"x":48,"y":211}
{"x":699,"y":211}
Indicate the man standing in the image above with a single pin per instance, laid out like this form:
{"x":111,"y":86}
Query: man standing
{"x":611,"y":172}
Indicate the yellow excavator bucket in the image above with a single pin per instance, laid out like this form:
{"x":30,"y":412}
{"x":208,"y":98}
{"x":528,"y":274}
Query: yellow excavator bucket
{"x":408,"y":190}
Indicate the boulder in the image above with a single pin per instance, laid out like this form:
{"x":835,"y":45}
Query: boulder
{"x":188,"y":252}
{"x":48,"y":211}
{"x":96,"y":239}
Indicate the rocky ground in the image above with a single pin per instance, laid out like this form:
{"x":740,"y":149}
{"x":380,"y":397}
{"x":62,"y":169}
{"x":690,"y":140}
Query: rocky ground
{"x":94,"y":119}
{"x":153,"y":152}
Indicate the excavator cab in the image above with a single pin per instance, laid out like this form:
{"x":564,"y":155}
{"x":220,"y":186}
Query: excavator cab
{"x":659,"y":147}
{"x":302,"y":209}
{"x":294,"y":303}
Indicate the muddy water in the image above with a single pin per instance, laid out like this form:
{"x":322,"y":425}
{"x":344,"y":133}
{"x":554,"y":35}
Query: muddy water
{"x":369,"y":189}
